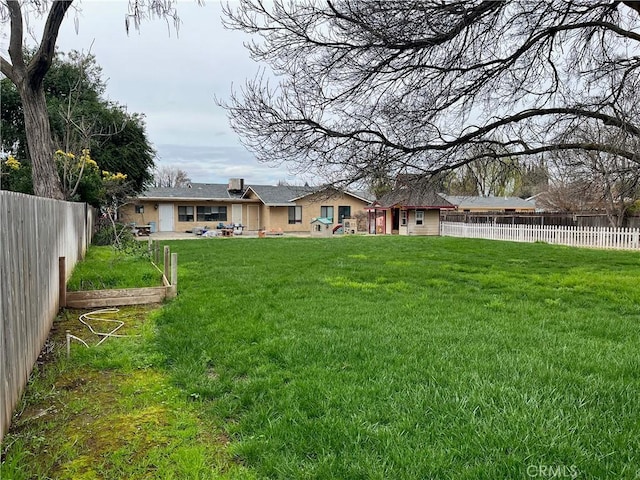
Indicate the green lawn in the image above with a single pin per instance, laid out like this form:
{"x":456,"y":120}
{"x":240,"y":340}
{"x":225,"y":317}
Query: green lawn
{"x":350,"y":358}
{"x":411,"y":357}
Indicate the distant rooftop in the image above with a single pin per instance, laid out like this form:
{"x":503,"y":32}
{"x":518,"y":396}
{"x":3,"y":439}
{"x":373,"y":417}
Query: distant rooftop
{"x":488,"y":203}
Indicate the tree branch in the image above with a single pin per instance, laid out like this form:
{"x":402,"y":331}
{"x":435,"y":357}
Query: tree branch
{"x":41,"y":61}
{"x":7,"y":69}
{"x":15,"y":40}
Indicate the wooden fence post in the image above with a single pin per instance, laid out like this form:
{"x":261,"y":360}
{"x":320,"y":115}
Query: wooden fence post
{"x":172,"y":290}
{"x":166,"y":262}
{"x":62,"y":281}
{"x":174,"y":269}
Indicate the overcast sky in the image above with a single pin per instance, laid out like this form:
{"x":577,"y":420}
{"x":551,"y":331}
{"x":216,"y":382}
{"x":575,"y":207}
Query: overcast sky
{"x":173,"y":79}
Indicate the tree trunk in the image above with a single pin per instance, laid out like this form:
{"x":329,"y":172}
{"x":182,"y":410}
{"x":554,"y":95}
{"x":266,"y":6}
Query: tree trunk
{"x":46,"y":182}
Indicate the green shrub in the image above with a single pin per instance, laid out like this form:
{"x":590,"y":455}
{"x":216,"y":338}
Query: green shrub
{"x":105,"y":234}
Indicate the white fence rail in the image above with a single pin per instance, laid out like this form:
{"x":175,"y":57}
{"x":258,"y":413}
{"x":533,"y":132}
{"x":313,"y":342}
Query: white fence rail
{"x":34,"y":233}
{"x":592,"y":237}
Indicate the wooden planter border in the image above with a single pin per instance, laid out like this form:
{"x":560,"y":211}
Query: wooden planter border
{"x":123,"y":296}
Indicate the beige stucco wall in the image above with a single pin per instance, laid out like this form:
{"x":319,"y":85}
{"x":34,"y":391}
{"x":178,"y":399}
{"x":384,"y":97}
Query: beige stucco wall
{"x":430,"y":226}
{"x":279,"y":216}
{"x":127,"y":213}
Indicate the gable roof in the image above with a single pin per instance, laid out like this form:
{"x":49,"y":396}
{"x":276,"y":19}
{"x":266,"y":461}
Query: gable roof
{"x":209,"y":191}
{"x":362,"y":196}
{"x":279,"y":195}
{"x":488,"y":202}
{"x":286,"y":195}
{"x":413,"y":194}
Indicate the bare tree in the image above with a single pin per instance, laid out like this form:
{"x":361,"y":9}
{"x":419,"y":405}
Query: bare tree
{"x":422,"y":81}
{"x":486,"y":176}
{"x":171,"y":177}
{"x":590,"y":180}
{"x":569,"y":195}
{"x":28,"y":76}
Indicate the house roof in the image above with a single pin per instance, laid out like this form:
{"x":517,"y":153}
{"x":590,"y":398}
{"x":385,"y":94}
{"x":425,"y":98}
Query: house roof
{"x":415,"y":197}
{"x":270,"y":195}
{"x":209,"y":191}
{"x":363,"y":196}
{"x":489,"y":203}
{"x":280,"y":195}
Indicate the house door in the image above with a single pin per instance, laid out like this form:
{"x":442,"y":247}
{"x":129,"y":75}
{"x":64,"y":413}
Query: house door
{"x":236,"y":213}
{"x":381,"y":221}
{"x":395,"y":221}
{"x":343,"y":211}
{"x":165,"y":214}
{"x":253,"y":217}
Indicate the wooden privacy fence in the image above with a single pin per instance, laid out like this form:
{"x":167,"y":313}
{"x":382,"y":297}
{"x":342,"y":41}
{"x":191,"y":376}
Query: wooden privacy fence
{"x":34,"y":233}
{"x":592,"y":237}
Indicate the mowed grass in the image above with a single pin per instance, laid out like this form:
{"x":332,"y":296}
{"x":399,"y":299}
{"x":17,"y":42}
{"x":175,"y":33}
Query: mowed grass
{"x":412,"y":357}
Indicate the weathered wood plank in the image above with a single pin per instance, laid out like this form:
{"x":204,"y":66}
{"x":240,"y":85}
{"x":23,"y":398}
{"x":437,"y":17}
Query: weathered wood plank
{"x":114,"y":293}
{"x":34,"y":232}
{"x":115,"y":301}
{"x":116,"y":297}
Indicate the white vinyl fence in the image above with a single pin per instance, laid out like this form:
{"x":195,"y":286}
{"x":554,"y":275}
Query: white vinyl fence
{"x":34,"y":233}
{"x":593,"y":237}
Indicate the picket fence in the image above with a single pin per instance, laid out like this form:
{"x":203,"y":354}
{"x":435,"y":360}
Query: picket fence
{"x":591,"y":237}
{"x":34,"y":233}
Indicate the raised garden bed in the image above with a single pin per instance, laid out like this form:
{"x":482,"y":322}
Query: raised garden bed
{"x":114,"y":297}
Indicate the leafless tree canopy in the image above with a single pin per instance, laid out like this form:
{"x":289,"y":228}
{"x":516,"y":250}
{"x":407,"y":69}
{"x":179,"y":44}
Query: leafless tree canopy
{"x":370,"y":86}
{"x":594,"y":180}
{"x":170,"y":177}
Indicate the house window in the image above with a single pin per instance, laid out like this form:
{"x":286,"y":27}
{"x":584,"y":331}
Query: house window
{"x":185,"y":214}
{"x":419,"y":217}
{"x":343,"y":211}
{"x":211,"y":214}
{"x":295,"y":215}
{"x":403,"y":218}
{"x":327,"y":212}
{"x":139,"y":208}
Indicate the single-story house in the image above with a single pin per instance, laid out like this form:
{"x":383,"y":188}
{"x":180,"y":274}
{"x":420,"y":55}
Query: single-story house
{"x":472,"y":204}
{"x":276,"y":208}
{"x":409,"y":209}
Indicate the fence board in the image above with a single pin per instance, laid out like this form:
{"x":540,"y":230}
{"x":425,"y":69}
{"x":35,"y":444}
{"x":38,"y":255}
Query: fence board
{"x":34,"y":232}
{"x":591,"y":237}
